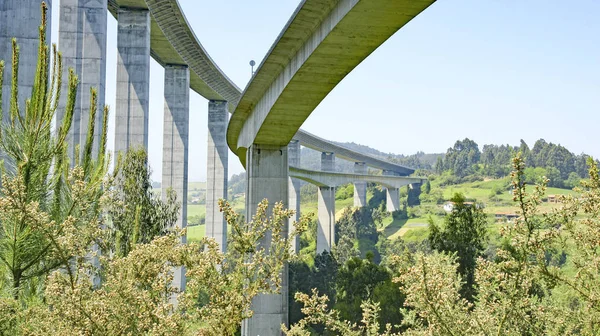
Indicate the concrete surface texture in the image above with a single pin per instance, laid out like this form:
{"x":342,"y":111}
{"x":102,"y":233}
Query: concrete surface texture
{"x":133,"y":79}
{"x":216,"y":173}
{"x":319,"y":144}
{"x":176,"y":145}
{"x":326,"y":208}
{"x":297,"y":74}
{"x":392,"y":194}
{"x":360,"y":187}
{"x":294,"y":193}
{"x":333,"y":179}
{"x":267,"y":174}
{"x":82,"y":41}
{"x":20,"y":19}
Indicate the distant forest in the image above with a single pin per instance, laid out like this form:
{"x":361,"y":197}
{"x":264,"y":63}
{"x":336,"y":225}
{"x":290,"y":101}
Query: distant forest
{"x":466,"y":161}
{"x":563,"y":168}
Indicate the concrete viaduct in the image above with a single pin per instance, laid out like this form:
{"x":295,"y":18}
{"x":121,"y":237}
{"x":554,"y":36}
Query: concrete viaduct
{"x":321,"y":43}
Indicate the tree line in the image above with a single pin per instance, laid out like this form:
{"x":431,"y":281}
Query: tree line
{"x":562,"y":167}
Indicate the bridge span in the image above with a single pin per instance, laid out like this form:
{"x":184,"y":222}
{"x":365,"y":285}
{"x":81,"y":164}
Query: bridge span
{"x":321,"y":43}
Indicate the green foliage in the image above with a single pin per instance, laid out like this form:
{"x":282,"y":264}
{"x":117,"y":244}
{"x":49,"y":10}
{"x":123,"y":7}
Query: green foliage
{"x":308,"y":193}
{"x":139,"y":291}
{"x":42,"y":199}
{"x":361,"y":280}
{"x":464,"y":234}
{"x":237,"y":184}
{"x":545,"y":159}
{"x":130,"y":202}
{"x":573,"y":180}
{"x":378,"y":197}
{"x":435,"y":196}
{"x":461,"y":158}
{"x":346,"y":235}
{"x":344,"y":192}
{"x":304,"y":278}
{"x":426,"y":187}
{"x":543,"y":280}
{"x":413,"y":195}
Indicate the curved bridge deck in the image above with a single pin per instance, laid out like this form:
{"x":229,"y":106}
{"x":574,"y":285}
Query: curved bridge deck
{"x":334,"y":179}
{"x":323,"y":41}
{"x":174,"y":42}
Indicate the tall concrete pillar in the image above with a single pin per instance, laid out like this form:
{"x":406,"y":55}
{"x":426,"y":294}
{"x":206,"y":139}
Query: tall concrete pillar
{"x":267,"y":174}
{"x":392,"y":194}
{"x":82,"y":41}
{"x":326,"y":208}
{"x":294,"y":155}
{"x":216,"y":178}
{"x":360,"y":187}
{"x":326,"y":219}
{"x":133,"y":79}
{"x":20,"y":19}
{"x":175,"y":145}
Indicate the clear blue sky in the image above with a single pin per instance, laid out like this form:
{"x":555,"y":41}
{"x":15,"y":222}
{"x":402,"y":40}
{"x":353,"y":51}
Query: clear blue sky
{"x":495,"y":71}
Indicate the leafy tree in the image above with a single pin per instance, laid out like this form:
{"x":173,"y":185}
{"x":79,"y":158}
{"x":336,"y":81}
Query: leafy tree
{"x":461,"y":158}
{"x":378,"y":197}
{"x":534,"y":175}
{"x":573,"y":180}
{"x":346,"y":235}
{"x":42,"y":199}
{"x":360,"y":280}
{"x":519,"y":293}
{"x":378,"y":214}
{"x":439,"y":165}
{"x":136,"y":214}
{"x":50,"y":218}
{"x":413,"y":194}
{"x":554,"y":177}
{"x":304,"y":278}
{"x":135,"y":296}
{"x":464,"y":234}
{"x":344,"y":192}
{"x":426,"y":187}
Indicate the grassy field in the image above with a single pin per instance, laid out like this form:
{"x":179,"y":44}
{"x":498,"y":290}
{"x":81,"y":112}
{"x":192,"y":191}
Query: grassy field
{"x":196,"y":210}
{"x":413,"y":229}
{"x":195,"y":233}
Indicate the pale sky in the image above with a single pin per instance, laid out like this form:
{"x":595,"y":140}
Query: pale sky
{"x":495,"y":71}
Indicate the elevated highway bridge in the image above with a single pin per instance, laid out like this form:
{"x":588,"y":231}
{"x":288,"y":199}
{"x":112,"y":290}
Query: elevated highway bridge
{"x":320,"y":44}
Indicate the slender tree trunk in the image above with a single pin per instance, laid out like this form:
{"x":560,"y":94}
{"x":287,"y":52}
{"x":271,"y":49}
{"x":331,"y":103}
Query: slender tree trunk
{"x":16,"y":284}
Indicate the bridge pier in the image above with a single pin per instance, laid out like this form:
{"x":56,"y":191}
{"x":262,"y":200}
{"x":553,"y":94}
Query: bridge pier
{"x":216,"y":175}
{"x":133,"y":79}
{"x":175,"y":146}
{"x":82,"y":41}
{"x":326,"y":208}
{"x":294,"y":155}
{"x":267,"y":174}
{"x":360,"y":188}
{"x":392,"y":194}
{"x":21,"y":19}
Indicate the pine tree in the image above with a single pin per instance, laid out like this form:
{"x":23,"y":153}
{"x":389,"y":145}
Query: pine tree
{"x":42,"y":198}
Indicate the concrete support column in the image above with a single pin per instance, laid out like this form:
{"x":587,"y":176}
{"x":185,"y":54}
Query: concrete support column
{"x":392,"y":194}
{"x":326,"y":219}
{"x":82,"y":41}
{"x":267,"y":174}
{"x":326,"y":208}
{"x":175,"y":146}
{"x":216,"y":178}
{"x":294,"y":155}
{"x":133,"y":79}
{"x":360,"y":187}
{"x":20,"y":19}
